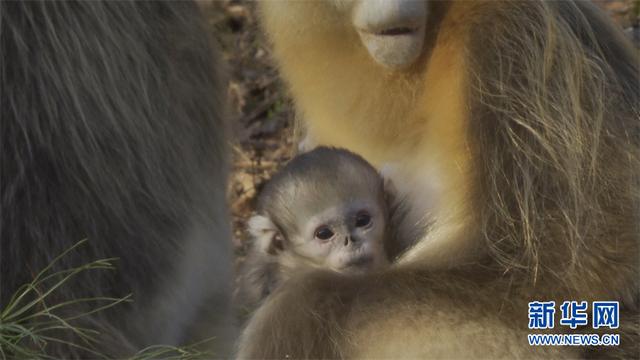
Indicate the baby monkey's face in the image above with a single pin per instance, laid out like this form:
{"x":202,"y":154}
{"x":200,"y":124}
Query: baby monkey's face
{"x":347,"y":237}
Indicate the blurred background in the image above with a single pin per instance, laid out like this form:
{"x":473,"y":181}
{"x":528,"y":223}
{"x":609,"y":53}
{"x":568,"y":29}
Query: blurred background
{"x":262,"y":113}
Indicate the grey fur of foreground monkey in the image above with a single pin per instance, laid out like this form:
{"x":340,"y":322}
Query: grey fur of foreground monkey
{"x":328,"y":209}
{"x":113,"y":129}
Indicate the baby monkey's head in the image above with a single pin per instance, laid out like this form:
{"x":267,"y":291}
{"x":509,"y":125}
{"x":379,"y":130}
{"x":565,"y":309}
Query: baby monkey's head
{"x":326,"y":208}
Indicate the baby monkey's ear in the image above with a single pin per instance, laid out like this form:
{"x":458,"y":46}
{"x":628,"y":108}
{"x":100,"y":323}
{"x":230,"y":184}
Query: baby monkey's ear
{"x":267,"y":237}
{"x":390,"y":190}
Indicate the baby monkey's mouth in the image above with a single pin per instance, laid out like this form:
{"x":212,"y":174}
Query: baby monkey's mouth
{"x":360,"y":262}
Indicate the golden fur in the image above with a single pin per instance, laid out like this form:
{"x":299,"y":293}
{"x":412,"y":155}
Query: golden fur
{"x":515,"y":135}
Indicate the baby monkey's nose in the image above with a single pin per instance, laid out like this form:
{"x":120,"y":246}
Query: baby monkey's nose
{"x":347,"y":240}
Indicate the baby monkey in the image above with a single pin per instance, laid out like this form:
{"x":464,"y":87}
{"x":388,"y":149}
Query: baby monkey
{"x":326,"y":209}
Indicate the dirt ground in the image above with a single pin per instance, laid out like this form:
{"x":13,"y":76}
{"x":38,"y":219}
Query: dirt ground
{"x":262,"y":113}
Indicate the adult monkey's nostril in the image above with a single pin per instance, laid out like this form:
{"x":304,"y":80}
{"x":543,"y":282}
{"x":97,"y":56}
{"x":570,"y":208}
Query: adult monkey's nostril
{"x":347,"y":240}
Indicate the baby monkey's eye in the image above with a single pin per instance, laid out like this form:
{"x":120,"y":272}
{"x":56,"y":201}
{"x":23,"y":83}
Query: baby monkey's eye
{"x":323,"y":233}
{"x":363,"y":219}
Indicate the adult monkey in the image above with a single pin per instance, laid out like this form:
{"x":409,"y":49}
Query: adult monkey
{"x":112,"y":130}
{"x":513,"y":127}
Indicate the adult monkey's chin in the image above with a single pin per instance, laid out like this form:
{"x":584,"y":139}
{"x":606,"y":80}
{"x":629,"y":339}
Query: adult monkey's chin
{"x":393,"y":31}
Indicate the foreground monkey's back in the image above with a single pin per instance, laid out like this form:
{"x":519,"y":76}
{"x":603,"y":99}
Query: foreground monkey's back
{"x":112,"y":130}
